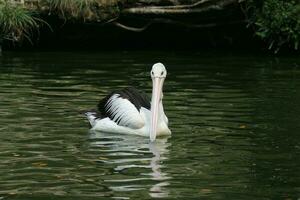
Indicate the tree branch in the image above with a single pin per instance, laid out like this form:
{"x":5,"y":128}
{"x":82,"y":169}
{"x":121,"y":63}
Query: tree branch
{"x":130,"y":28}
{"x":182,"y":6}
{"x":184,"y":9}
{"x":169,"y":21}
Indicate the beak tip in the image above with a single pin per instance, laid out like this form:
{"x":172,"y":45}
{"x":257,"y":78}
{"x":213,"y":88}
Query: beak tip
{"x":152,"y":139}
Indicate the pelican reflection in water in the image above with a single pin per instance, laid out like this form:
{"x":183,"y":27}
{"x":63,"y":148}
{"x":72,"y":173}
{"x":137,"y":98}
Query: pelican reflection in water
{"x":129,"y":154}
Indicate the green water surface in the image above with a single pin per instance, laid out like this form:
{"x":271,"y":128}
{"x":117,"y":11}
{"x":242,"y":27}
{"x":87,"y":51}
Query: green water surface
{"x":235,"y":124}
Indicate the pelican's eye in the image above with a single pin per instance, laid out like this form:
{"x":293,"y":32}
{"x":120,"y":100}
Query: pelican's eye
{"x":161,"y":73}
{"x":152,"y":73}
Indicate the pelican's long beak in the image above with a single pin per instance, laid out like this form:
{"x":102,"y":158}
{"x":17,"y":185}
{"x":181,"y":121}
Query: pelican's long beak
{"x":156,"y":98}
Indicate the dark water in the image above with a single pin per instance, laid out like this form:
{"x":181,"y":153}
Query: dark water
{"x":235,"y":124}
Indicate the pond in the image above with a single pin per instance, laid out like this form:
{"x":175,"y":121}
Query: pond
{"x":235,"y":122}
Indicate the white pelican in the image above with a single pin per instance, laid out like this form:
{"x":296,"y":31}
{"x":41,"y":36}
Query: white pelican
{"x":129,"y":111}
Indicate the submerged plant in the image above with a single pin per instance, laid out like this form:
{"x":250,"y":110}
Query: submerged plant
{"x":277,"y":22}
{"x":16,"y":22}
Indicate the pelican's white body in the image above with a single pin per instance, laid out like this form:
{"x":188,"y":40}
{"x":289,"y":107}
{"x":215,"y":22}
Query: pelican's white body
{"x":109,"y":126}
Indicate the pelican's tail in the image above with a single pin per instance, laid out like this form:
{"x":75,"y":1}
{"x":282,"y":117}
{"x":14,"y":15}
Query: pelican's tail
{"x":92,"y":116}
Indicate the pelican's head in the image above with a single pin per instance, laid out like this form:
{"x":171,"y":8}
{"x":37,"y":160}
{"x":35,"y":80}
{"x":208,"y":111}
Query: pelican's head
{"x":158,"y":71}
{"x":158,"y":75}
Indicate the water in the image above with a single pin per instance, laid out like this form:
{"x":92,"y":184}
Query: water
{"x":235,"y":124}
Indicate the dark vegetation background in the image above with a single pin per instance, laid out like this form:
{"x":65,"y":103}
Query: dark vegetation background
{"x":270,"y":25}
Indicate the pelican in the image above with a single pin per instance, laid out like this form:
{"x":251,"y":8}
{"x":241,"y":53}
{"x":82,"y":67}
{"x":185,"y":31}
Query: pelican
{"x":129,"y":111}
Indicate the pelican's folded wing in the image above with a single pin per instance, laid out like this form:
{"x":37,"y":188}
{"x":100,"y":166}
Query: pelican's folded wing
{"x":123,"y":107}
